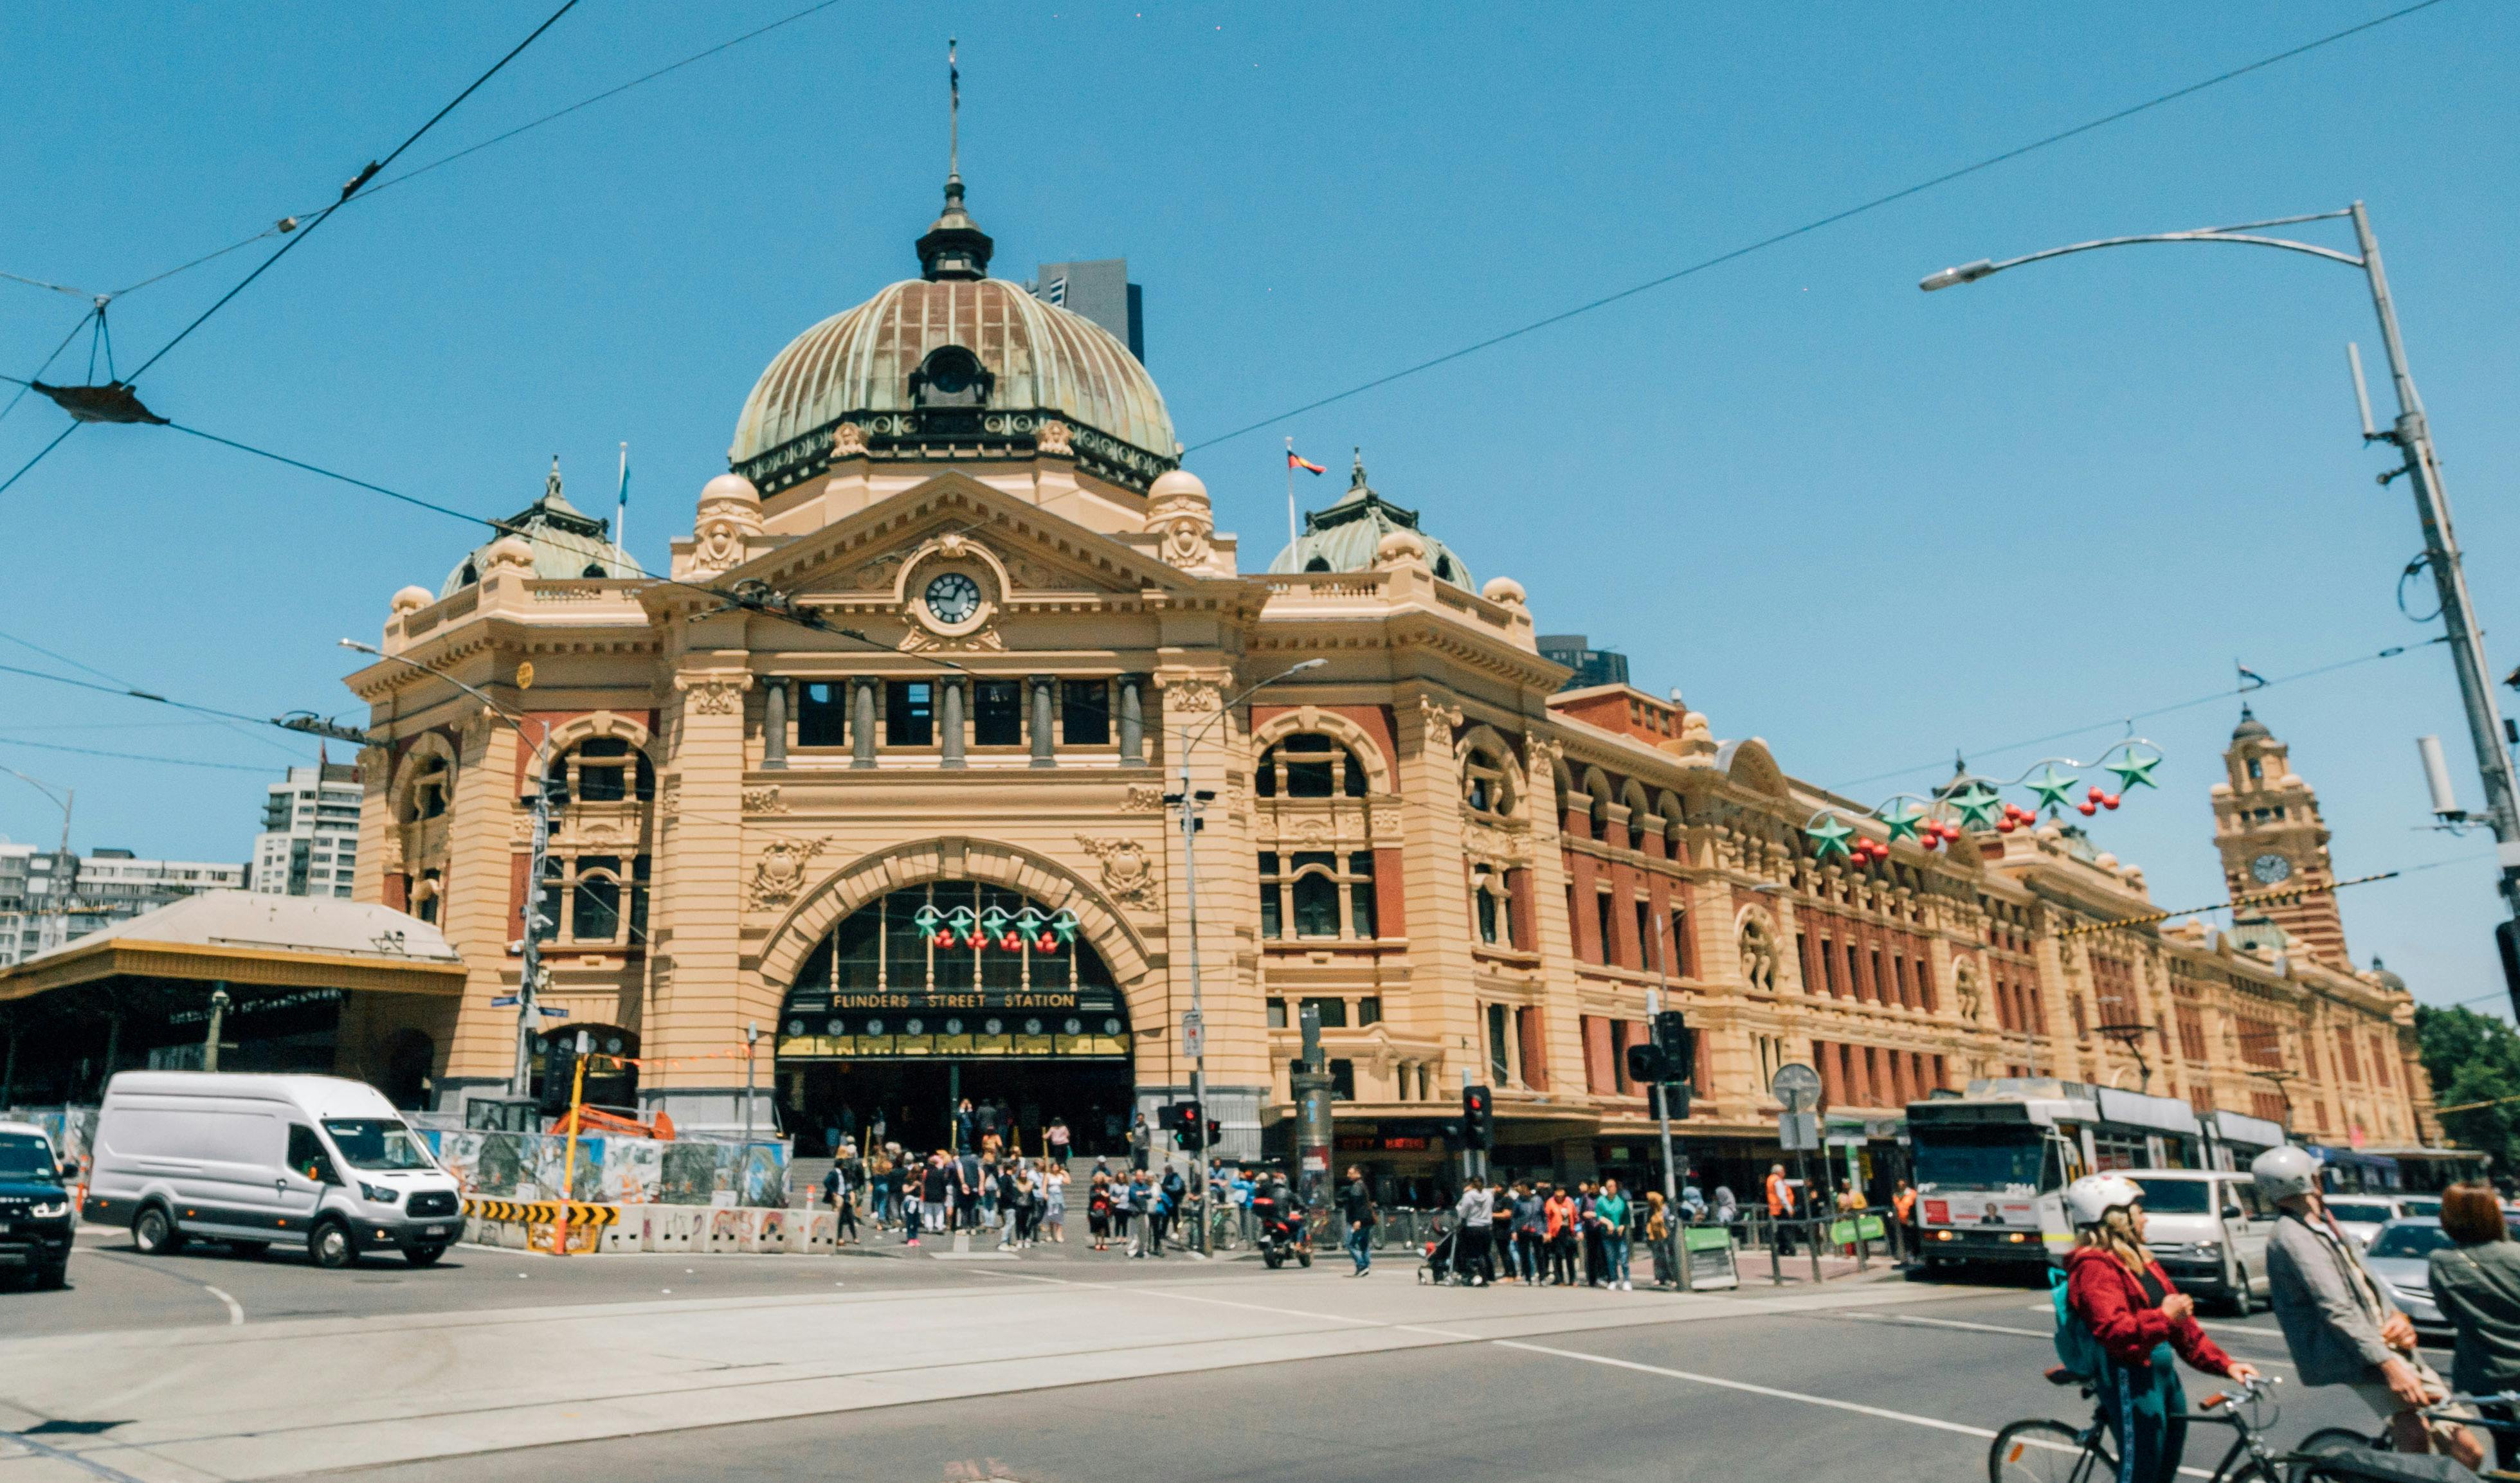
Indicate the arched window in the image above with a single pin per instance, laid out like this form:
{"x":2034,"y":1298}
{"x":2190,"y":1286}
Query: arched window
{"x":1491,"y":908}
{"x":1309,"y":765}
{"x":602,"y":770}
{"x":1638,"y":810}
{"x":951,"y":377}
{"x":593,"y":569}
{"x":1485,"y":787}
{"x":954,"y":944}
{"x":431,"y":790}
{"x":594,"y":901}
{"x":1318,"y":563}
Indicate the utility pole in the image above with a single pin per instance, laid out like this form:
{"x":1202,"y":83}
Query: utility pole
{"x":2412,"y":434}
{"x":752,"y":1039}
{"x":219,"y":1002}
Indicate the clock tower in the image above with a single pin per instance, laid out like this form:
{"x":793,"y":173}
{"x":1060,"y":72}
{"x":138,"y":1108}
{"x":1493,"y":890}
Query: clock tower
{"x":2266,"y":825}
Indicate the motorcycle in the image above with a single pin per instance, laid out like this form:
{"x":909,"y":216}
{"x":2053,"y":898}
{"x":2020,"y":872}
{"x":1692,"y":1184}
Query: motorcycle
{"x":1282,"y":1230}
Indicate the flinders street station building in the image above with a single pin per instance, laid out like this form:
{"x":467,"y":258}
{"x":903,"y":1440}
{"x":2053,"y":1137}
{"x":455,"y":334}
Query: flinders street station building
{"x":865,"y":808}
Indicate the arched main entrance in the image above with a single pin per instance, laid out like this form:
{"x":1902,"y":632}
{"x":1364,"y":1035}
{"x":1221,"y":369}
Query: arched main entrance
{"x":952,"y":990}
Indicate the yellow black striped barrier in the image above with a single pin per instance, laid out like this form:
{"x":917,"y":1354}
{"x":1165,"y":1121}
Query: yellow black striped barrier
{"x":543,"y":1212}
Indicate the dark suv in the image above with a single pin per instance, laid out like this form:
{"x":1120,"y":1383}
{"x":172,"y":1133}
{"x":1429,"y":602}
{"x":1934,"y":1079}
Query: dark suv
{"x":34,"y":1206}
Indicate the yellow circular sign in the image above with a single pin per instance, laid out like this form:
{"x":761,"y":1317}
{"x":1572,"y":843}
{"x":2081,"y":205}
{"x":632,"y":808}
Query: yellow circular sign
{"x":525,"y":675}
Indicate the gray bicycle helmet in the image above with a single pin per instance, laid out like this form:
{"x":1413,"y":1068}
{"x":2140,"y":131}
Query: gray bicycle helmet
{"x":2282,"y":1173}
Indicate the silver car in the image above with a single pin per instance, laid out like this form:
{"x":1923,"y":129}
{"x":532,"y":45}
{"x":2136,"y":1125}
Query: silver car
{"x":2360,"y":1216}
{"x":2399,"y":1256}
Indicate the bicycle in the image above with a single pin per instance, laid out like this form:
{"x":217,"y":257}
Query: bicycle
{"x":2042,"y":1451}
{"x":2330,"y":1440}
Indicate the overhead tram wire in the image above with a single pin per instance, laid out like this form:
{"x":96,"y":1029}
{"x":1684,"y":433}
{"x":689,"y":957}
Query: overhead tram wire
{"x":92,"y":751}
{"x":224,"y":724}
{"x":2129,"y":719}
{"x":289,"y":223}
{"x":1833,"y":219}
{"x":366,"y":174}
{"x":766,"y":604}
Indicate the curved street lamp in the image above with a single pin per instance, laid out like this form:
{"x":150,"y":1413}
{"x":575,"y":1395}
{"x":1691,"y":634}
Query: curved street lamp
{"x":2412,"y":437}
{"x":1193,"y":803}
{"x":520,"y":1081}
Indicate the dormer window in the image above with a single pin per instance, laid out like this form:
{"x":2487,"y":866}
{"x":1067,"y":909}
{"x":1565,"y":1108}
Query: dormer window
{"x":2257,"y":771}
{"x":951,"y":377}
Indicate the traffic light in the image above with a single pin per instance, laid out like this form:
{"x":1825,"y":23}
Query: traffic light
{"x":1674,"y":1094}
{"x":1478,"y":1117}
{"x":1644,"y":1064}
{"x":559,"y":1069}
{"x":1678,"y":1043}
{"x":1180,"y":1118}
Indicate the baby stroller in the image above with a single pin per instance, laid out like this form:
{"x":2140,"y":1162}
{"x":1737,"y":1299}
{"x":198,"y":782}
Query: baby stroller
{"x":1435,"y":1264}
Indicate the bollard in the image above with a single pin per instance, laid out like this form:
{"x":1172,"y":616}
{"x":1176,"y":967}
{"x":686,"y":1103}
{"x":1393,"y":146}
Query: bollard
{"x":1814,"y":1233}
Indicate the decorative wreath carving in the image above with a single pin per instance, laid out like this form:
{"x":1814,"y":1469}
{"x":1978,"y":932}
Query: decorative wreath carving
{"x":1128,"y":877}
{"x":780,"y":874}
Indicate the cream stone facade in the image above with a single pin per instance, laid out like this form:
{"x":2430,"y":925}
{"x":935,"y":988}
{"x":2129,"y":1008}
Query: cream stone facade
{"x":955,"y":625}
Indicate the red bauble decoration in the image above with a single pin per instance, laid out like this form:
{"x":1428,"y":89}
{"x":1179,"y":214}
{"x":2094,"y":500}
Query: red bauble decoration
{"x":2087,"y":808}
{"x":2005,"y":826}
{"x":1012,"y":942}
{"x":2097,"y":793}
{"x":944,"y":937}
{"x":2110,"y":800}
{"x":1046,"y":943}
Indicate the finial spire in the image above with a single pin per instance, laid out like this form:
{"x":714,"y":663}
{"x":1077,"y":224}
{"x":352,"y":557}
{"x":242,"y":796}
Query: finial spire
{"x":954,"y":246}
{"x":551,"y":481}
{"x":1356,"y":480}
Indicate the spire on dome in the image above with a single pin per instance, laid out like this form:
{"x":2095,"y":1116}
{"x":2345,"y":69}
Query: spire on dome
{"x":954,"y":247}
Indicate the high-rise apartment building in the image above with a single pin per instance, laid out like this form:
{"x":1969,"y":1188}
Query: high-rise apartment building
{"x":1100,"y":292}
{"x":309,"y":843}
{"x":48,"y":898}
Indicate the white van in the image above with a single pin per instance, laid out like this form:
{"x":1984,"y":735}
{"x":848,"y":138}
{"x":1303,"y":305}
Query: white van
{"x":249,"y":1160}
{"x":2208,"y":1229}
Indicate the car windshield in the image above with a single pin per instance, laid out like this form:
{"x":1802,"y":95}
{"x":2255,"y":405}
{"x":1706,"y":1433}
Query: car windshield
{"x":1978,"y":1158}
{"x":2177,"y":1196}
{"x":2410,"y":1240}
{"x":23,"y":1156}
{"x":378,"y":1143}
{"x":2360,"y":1212}
{"x":2429,"y":1210}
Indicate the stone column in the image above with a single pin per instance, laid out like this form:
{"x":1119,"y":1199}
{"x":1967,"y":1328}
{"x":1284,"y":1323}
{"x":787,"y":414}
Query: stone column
{"x":774,"y":724}
{"x":1043,"y":687}
{"x":949,"y":715}
{"x":1133,"y":724}
{"x":862,"y":723}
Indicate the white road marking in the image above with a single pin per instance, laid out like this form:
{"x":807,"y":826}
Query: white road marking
{"x":1877,"y":1412}
{"x":1900,"y":1317}
{"x":236,"y":1310}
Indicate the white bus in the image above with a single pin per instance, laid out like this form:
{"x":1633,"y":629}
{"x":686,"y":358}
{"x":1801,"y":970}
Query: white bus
{"x":1991,"y":1165}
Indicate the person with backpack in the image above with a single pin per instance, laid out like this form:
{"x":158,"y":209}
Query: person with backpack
{"x":2121,"y":1325}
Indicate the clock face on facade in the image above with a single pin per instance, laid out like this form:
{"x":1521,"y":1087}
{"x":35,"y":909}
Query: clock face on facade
{"x":953,"y":597}
{"x":2271,"y":870}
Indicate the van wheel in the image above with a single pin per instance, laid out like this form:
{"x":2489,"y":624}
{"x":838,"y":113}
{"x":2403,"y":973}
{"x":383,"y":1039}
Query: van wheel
{"x":329,"y":1244}
{"x":423,"y":1256}
{"x":155,"y":1232}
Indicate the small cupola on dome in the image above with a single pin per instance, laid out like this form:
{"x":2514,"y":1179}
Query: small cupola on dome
{"x":564,"y":541}
{"x":1348,"y":536}
{"x":954,"y":246}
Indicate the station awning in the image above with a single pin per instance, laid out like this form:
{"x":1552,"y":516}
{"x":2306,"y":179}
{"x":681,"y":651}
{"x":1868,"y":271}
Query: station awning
{"x":247,"y":939}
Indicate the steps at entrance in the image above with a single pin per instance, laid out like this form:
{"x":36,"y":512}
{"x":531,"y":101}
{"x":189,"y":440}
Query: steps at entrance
{"x":805,"y":1181}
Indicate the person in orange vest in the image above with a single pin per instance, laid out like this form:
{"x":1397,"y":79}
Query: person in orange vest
{"x":1902,"y":1204}
{"x":1780,"y":1208}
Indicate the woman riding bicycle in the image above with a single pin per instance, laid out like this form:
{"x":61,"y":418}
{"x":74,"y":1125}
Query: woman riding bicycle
{"x":2121,"y":1294}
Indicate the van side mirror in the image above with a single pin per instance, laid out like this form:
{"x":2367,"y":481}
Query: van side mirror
{"x":2234,"y":1213}
{"x":69,"y":1171}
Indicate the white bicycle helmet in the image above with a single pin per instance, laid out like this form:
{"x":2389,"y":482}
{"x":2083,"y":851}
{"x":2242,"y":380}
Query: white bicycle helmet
{"x":2282,"y":1173}
{"x":2092,"y":1197}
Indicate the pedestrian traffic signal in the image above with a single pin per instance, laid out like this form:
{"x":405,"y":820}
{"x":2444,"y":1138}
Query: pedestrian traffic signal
{"x":1677,"y":1042}
{"x":1644,"y":1064}
{"x":1478,"y":1117}
{"x":1180,"y":1118}
{"x":1671,"y":1093}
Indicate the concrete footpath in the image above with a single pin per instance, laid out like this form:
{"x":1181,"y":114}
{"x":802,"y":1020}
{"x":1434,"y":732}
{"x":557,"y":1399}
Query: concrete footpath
{"x":267,"y":1400}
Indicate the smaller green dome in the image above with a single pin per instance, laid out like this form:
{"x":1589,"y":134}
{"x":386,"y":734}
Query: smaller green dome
{"x":566,"y":542}
{"x":1345,"y":537}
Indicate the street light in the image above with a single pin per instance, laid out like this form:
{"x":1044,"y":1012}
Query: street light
{"x":2412,"y":436}
{"x":520,"y":1081}
{"x":1194,"y":802}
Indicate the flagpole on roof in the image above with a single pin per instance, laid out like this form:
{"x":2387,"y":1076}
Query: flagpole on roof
{"x":621,"y":513}
{"x":1290,"y":498}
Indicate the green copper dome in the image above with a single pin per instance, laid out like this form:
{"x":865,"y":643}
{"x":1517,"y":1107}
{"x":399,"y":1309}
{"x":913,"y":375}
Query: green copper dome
{"x":566,"y":542}
{"x":1345,"y":537}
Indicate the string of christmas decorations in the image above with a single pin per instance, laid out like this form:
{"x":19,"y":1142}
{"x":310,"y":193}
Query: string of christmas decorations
{"x":1969,"y":801}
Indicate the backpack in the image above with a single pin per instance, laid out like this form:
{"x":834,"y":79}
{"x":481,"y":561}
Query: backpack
{"x":2076,"y":1348}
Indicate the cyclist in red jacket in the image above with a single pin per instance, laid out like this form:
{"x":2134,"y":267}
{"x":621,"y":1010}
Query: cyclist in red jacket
{"x":2115,"y":1287}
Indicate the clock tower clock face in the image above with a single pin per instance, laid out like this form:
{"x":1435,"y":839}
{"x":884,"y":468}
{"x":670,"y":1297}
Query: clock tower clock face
{"x":953,"y":597}
{"x":2271,"y":870}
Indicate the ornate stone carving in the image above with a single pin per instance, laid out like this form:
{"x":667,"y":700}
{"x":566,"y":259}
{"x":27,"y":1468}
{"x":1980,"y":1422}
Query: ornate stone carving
{"x":780,"y":874}
{"x":1192,"y":696}
{"x":764,"y":800}
{"x":729,"y":511}
{"x":1178,"y":509}
{"x":878,"y":575}
{"x":1383,"y":818}
{"x":1053,"y":436}
{"x":1758,"y":953}
{"x":1186,"y":541}
{"x":1965,"y":989}
{"x":669,"y":793}
{"x":1128,"y":877}
{"x":718,"y":545}
{"x":1443,"y":722}
{"x":712,"y":695}
{"x":920,"y":641}
{"x":1500,"y":848}
{"x":848,"y":440}
{"x":1143,"y":799}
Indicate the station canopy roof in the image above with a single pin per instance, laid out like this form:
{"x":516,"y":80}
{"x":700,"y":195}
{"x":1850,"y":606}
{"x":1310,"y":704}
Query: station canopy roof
{"x":246,"y":938}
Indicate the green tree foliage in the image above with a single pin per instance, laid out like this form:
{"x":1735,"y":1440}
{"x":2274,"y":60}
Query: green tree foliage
{"x":2474,"y":1058}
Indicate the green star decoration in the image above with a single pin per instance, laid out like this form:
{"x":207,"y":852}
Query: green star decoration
{"x":2051,"y":787}
{"x":2133,"y":769}
{"x":1828,"y":836}
{"x":1902,"y":817}
{"x":1978,"y":805}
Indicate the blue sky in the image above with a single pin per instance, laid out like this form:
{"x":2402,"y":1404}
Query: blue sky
{"x":1869,"y":524}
